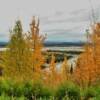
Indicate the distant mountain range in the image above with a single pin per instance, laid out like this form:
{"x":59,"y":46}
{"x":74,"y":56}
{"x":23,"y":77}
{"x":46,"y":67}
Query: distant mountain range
{"x":51,"y":43}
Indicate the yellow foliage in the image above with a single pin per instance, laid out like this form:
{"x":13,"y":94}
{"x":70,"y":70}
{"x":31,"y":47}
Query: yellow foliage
{"x":96,"y":47}
{"x":17,"y":57}
{"x":85,"y":72}
{"x":52,"y":77}
{"x":36,"y":44}
{"x":65,"y":70}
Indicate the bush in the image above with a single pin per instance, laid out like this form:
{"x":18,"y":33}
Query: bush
{"x":21,"y":98}
{"x":89,"y":93}
{"x":10,"y":88}
{"x":18,"y":89}
{"x":36,"y":90}
{"x":39,"y":90}
{"x":68,"y":90}
{"x":97,"y":91}
{"x":4,"y":97}
{"x":28,"y":89}
{"x":4,"y":86}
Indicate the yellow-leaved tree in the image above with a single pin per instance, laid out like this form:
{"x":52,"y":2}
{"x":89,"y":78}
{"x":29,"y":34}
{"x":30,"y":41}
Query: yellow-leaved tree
{"x":65,"y":70}
{"x":17,"y":57}
{"x":36,"y":40}
{"x":54,"y":76}
{"x":95,"y":37}
{"x":85,"y":71}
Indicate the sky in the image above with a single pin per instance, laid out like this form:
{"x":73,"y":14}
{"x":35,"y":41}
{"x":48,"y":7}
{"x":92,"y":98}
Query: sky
{"x":61,"y":20}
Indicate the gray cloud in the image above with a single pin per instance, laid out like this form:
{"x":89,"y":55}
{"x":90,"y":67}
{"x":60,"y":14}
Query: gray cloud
{"x":66,"y":37}
{"x":62,"y":30}
{"x":57,"y":17}
{"x":78,"y":11}
{"x":4,"y":35}
{"x":81,"y":15}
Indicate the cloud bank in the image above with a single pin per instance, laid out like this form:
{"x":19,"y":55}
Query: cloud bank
{"x":61,"y":20}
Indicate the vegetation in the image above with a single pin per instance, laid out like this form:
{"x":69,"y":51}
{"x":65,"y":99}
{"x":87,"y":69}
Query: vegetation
{"x":22,"y":76}
{"x":17,"y":58}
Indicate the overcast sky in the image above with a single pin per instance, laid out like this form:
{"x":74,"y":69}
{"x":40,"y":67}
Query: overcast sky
{"x":61,"y":20}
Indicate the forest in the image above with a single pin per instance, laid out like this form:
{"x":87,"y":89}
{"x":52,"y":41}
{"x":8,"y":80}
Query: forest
{"x":23,"y":77}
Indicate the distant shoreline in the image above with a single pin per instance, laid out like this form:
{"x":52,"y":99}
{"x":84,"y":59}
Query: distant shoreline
{"x":63,"y":44}
{"x":54,"y":44}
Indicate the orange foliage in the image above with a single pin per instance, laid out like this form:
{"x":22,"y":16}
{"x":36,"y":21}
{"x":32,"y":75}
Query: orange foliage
{"x":88,"y":65}
{"x":53,"y":65}
{"x":65,"y":70}
{"x":17,"y":60}
{"x":36,"y":43}
{"x":85,"y":72}
{"x":53,"y":78}
{"x":96,"y":47}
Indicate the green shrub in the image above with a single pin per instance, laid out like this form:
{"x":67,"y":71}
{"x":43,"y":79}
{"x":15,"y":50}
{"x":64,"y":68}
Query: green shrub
{"x":97,"y":97}
{"x":28,"y":90}
{"x":4,"y":86}
{"x":39,"y":90}
{"x":36,"y":90}
{"x":21,"y":98}
{"x":89,"y":93}
{"x":18,"y":89}
{"x":68,"y":90}
{"x":97,"y":91}
{"x":4,"y":97}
